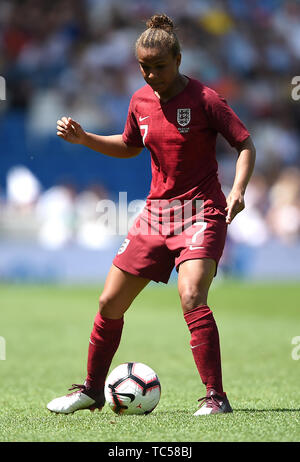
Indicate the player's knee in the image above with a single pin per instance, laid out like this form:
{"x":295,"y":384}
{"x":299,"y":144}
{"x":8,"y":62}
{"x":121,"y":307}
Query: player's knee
{"x":106,"y":304}
{"x":191,"y":297}
{"x":109,"y":307}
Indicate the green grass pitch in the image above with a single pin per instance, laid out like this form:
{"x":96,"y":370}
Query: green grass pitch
{"x":46,"y":331}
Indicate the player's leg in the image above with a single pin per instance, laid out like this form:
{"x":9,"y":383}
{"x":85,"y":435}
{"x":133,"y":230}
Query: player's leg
{"x":119,"y":291}
{"x":194,"y":280}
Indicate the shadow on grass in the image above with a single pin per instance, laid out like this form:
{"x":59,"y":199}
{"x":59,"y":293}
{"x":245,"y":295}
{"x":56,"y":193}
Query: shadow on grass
{"x":187,"y":413}
{"x":267,"y":410}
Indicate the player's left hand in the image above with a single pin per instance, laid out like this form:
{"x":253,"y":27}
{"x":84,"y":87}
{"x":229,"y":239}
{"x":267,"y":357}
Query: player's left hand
{"x":235,"y":204}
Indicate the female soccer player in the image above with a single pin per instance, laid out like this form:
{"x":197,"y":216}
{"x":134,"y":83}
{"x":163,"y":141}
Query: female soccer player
{"x":177,"y":118}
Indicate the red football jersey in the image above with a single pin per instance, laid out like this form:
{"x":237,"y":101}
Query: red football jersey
{"x":181,"y":137}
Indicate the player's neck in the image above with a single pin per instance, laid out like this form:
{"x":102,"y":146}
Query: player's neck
{"x":179,"y":84}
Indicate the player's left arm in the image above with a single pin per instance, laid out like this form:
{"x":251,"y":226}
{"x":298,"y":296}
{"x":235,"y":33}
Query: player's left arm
{"x":244,"y":168}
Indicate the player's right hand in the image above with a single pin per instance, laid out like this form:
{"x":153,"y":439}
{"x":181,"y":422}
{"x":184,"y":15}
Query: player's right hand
{"x":70,"y":130}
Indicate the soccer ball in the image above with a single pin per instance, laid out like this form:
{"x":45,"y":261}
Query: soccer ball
{"x":132,"y":388}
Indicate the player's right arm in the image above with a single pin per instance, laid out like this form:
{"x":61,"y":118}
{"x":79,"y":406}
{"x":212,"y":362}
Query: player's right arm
{"x":111,"y":145}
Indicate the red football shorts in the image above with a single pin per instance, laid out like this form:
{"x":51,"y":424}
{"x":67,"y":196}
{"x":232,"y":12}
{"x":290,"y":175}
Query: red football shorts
{"x":152,"y":248}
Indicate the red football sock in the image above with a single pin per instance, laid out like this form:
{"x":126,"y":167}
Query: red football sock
{"x":205,"y":346}
{"x":104,"y":341}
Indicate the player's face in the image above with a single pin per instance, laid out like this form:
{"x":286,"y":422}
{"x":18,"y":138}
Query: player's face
{"x":160,"y":69}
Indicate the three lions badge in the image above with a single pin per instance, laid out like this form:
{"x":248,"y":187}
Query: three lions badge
{"x":183,"y":119}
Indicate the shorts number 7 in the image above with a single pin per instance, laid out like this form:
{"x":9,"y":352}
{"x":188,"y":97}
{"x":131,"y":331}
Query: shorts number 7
{"x":203,"y":225}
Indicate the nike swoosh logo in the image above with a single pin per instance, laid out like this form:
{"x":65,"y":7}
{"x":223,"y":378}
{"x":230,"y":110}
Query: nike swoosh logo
{"x":195,"y":346}
{"x":143,"y":118}
{"x":194,"y":248}
{"x":128,"y":395}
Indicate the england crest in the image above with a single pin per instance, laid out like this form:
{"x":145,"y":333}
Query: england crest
{"x":183,"y":116}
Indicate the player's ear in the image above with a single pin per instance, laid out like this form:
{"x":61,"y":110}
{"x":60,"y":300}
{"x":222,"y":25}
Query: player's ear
{"x":178,"y":59}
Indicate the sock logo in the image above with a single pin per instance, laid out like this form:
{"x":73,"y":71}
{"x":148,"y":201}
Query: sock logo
{"x":199,"y":344}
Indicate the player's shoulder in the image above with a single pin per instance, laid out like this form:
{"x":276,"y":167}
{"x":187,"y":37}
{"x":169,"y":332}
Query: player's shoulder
{"x":204,"y":92}
{"x":145,"y":92}
{"x":141,"y":97}
{"x":201,"y":95}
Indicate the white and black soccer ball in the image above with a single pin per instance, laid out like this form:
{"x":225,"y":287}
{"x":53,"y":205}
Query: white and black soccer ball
{"x":132,"y":388}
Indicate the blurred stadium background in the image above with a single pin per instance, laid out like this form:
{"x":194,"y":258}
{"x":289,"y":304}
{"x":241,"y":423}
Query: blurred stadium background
{"x":77,"y":58}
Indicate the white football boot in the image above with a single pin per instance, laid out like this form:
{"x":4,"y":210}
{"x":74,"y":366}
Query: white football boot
{"x":213,"y":403}
{"x":80,"y":399}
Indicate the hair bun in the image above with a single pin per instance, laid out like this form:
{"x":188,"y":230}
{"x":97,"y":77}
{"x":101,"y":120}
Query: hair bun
{"x":160,"y":21}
